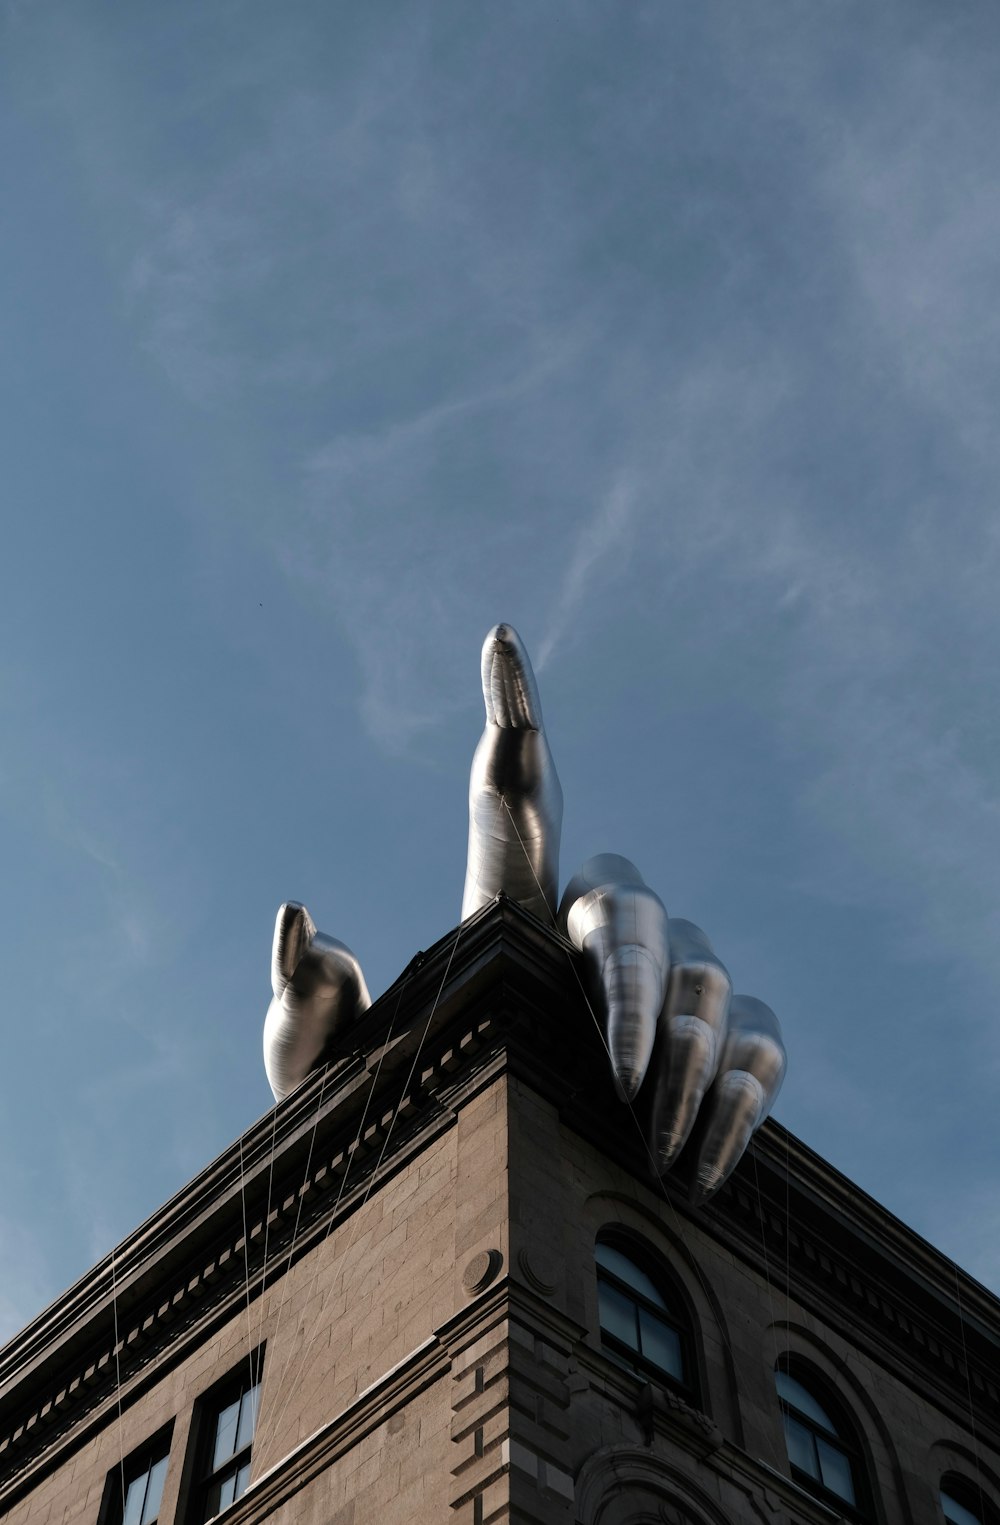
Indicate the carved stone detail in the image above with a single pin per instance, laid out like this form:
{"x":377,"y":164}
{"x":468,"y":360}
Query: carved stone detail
{"x":537,"y":1271}
{"x":481,"y":1270}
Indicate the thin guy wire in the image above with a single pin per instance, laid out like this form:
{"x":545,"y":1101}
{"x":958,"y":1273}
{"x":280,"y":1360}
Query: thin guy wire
{"x":263,"y":1283}
{"x":656,"y":1175}
{"x":358,"y":1210}
{"x":788,"y":1231}
{"x":968,"y":1388}
{"x":298,"y":1213}
{"x":340,"y":1192}
{"x":343,"y":1184}
{"x":356,"y":1216}
{"x":118,"y":1378}
{"x":767,"y":1274}
{"x":638,"y":1125}
{"x":246,"y":1260}
{"x":763,"y":1246}
{"x":649,"y":1153}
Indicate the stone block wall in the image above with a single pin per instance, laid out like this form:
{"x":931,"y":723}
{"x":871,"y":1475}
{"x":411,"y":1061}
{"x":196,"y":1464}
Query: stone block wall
{"x":438,"y":1358}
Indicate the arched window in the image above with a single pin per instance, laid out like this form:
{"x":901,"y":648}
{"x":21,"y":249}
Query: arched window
{"x":642,"y":1326}
{"x":963,"y":1503}
{"x":823,"y":1455}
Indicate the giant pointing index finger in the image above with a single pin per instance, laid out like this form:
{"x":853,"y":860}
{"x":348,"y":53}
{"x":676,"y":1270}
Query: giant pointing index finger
{"x":515,"y":800}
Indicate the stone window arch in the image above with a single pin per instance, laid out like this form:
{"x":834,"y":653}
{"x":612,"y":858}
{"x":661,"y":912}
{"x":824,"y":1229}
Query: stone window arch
{"x":626,"y":1485}
{"x":646,"y":1323}
{"x":963,"y":1501}
{"x":822,"y":1440}
{"x":824,"y":1452}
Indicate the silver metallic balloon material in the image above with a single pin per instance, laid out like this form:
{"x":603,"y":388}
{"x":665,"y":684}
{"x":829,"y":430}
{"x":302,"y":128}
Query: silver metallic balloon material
{"x":319,"y":990}
{"x":663,"y":995}
{"x":692,"y":1029}
{"x":620,"y":927}
{"x":751,"y":1070}
{"x":515,"y":800}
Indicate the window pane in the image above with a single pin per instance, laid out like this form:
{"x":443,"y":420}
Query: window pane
{"x":957,"y":1513}
{"x":220,"y":1495}
{"x":248,"y":1418}
{"x":225,"y":1435}
{"x":619,"y":1265}
{"x":154,"y":1492}
{"x":242,"y":1481}
{"x":802,"y":1399}
{"x":835,"y":1468}
{"x":660,"y":1344}
{"x":134,"y":1499}
{"x":617,"y":1314}
{"x":801,"y":1449}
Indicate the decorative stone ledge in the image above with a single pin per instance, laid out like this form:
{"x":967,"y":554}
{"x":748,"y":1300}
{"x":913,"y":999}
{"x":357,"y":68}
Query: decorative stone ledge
{"x":181,"y":1316}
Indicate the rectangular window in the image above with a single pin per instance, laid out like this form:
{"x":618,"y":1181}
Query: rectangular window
{"x":225,"y":1442}
{"x":134,"y":1491}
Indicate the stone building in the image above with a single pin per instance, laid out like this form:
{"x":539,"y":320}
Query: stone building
{"x":439,"y":1284}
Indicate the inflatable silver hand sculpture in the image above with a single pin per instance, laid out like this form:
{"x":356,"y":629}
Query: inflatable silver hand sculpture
{"x":749,"y":1078}
{"x":620,"y":927}
{"x":692,"y":1028}
{"x":515,"y":801}
{"x":662,"y":996}
{"x":666,"y":1005}
{"x":319,"y":990}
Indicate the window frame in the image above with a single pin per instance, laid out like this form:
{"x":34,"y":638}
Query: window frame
{"x":245,"y":1377}
{"x":842,"y":1436}
{"x":969,"y":1495}
{"x":124,"y":1473}
{"x":677,"y":1317}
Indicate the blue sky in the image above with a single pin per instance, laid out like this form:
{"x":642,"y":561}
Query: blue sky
{"x":332,"y":335}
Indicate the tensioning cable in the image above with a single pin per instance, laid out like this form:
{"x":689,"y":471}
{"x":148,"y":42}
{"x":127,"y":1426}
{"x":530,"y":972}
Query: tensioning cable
{"x":356,"y":1214}
{"x":638,"y":1125}
{"x":118,"y":1376}
{"x":336,"y":1206}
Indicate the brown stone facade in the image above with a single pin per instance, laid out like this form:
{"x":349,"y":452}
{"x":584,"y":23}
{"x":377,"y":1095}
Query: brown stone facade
{"x":405,"y":1251}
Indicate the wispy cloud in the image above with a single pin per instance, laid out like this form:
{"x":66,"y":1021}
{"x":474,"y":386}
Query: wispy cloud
{"x":505,"y":321}
{"x":601,"y":545}
{"x":914,"y":196}
{"x":851,"y":618}
{"x":409,"y":586}
{"x":389,"y":532}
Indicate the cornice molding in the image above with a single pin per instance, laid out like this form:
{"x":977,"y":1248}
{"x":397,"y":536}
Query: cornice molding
{"x":944,"y":1348}
{"x":183,"y":1273}
{"x":460,"y":965}
{"x":499,"y":998}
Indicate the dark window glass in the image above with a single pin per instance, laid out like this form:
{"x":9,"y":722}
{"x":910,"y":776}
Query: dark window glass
{"x":229,"y":1423}
{"x":638,"y":1326}
{"x":956,"y":1513}
{"x":661,"y":1344}
{"x":799,"y":1441}
{"x":963,"y":1503}
{"x":618,"y":1314}
{"x":835,"y":1469}
{"x":822,"y":1458}
{"x":135,"y":1490}
{"x":627,"y":1271}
